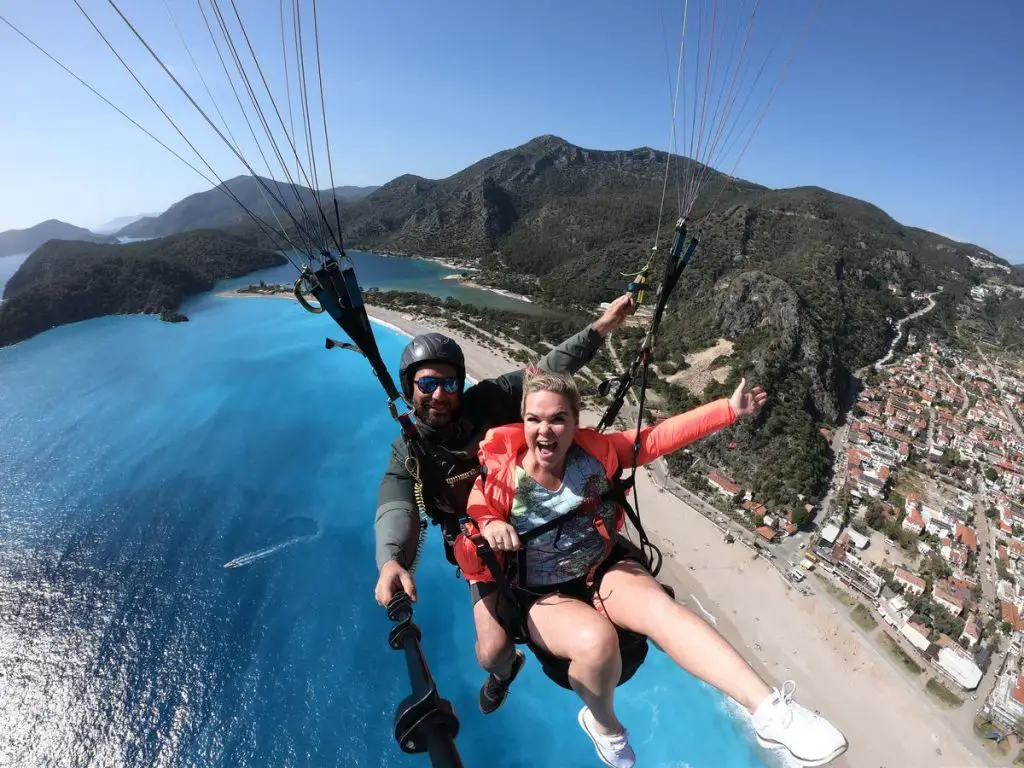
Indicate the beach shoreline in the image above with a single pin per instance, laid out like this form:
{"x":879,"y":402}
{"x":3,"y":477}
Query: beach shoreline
{"x":783,"y":634}
{"x":481,"y":362}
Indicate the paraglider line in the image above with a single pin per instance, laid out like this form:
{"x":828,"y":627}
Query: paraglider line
{"x":223,"y":120}
{"x":180,"y":87}
{"x":327,"y":140}
{"x":257,"y":106}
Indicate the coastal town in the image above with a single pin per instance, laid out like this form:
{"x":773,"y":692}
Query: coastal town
{"x":920,"y":539}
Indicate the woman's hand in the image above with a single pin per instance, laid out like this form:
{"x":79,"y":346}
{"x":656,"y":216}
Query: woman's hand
{"x":501,"y":536}
{"x":746,"y":403}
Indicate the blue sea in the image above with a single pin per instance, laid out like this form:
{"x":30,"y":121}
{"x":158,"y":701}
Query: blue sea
{"x":137,"y":458}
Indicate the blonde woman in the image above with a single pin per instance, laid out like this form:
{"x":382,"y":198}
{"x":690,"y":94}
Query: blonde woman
{"x":576,"y":583}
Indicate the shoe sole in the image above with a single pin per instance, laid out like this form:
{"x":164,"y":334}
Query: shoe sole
{"x":802,"y":760}
{"x":517,"y":667}
{"x":583,"y":725}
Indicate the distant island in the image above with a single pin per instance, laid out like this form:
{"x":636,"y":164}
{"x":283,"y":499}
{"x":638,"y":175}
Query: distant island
{"x":119,"y":223}
{"x":15,"y":241}
{"x":67,"y":281}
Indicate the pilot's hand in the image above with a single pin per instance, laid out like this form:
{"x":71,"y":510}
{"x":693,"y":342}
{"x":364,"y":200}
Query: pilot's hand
{"x":393,"y":577}
{"x":615,"y":315}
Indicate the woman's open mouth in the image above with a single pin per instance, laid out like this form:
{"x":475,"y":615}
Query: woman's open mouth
{"x":546,"y":448}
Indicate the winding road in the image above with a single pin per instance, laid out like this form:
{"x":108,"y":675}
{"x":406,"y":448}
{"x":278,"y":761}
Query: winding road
{"x":881,"y":363}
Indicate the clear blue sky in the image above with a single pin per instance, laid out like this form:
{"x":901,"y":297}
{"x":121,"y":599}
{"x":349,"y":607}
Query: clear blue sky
{"x":914,"y":105}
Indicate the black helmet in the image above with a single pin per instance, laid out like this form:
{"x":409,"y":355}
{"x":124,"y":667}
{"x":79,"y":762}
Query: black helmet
{"x":429,"y":348}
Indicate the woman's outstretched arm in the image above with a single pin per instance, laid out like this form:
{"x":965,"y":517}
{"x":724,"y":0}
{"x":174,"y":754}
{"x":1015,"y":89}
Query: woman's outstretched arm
{"x":682,"y":429}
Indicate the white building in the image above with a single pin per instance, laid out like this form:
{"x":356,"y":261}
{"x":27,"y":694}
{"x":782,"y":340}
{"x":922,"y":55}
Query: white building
{"x":916,"y":634}
{"x":895,"y":611}
{"x":830,"y":533}
{"x":958,"y":665}
{"x":860,"y":541}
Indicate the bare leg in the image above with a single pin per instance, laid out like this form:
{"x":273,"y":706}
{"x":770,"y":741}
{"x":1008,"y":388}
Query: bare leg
{"x":494,"y":651}
{"x":573,"y":630}
{"x":635,"y":601}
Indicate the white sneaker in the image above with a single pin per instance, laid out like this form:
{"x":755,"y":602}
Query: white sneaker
{"x":614,"y":750}
{"x":809,"y":738}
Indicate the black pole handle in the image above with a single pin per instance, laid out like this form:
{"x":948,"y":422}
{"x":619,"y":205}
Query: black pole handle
{"x":424,"y":722}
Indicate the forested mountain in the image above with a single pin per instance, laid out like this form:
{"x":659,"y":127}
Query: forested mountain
{"x":67,"y":281}
{"x":804,"y":281}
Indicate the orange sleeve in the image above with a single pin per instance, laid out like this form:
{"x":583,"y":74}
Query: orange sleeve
{"x":479,"y":507}
{"x":480,"y":512}
{"x":673,"y":433}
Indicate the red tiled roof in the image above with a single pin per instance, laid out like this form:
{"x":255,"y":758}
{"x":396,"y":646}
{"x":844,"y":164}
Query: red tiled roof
{"x":902,"y":574}
{"x":723,"y":482}
{"x":967,"y":537}
{"x":1018,"y":691}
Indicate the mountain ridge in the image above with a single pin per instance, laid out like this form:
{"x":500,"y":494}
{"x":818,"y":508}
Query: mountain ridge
{"x":120,"y":222}
{"x":806,"y":282}
{"x":18,"y":241}
{"x":214,"y":208}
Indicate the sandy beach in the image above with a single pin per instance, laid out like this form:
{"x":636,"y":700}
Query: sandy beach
{"x":788,"y":636}
{"x":783,"y":634}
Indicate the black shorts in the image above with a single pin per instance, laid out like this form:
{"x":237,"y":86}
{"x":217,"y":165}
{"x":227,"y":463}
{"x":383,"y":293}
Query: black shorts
{"x":481,"y":589}
{"x":621,"y":550}
{"x":578,"y":588}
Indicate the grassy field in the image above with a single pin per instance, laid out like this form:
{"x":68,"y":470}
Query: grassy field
{"x":943,"y":694}
{"x":864,"y":618}
{"x":909,"y":482}
{"x":900,"y":655}
{"x":838,"y":593}
{"x":982,"y":728}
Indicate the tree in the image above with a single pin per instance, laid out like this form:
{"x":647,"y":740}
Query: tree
{"x":875,"y":517}
{"x":801,"y":517}
{"x":991,"y":513}
{"x":938,"y":567}
{"x":897,"y":499}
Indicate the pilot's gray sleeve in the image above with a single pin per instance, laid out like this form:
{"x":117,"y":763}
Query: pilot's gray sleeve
{"x":568,"y":357}
{"x":573,"y":353}
{"x":396,"y":526}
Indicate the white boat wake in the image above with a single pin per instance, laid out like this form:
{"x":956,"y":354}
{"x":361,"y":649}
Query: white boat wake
{"x":251,"y":557}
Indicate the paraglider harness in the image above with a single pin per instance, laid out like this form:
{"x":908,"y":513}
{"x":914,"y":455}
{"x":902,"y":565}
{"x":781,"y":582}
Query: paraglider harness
{"x":633,"y":646}
{"x":425,"y":722}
